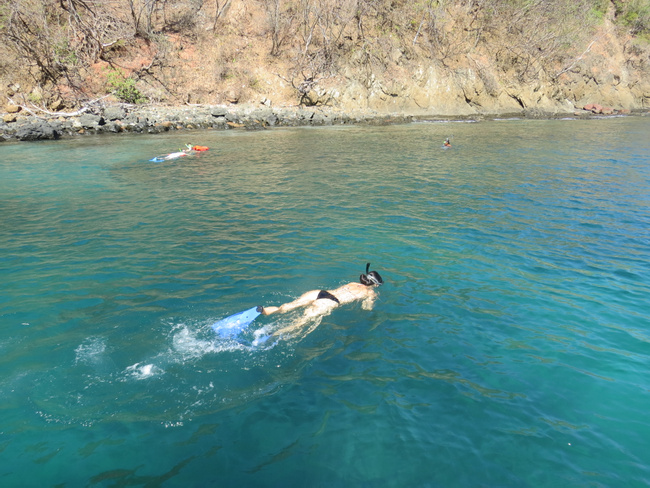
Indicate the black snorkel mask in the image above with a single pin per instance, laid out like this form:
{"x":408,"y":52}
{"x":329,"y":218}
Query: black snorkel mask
{"x":370,"y":279}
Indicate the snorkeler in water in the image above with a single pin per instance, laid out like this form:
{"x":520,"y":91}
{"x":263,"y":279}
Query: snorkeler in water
{"x":322,"y":302}
{"x":189,"y":149}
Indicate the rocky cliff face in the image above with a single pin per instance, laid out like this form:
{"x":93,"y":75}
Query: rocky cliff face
{"x":386,"y":70}
{"x":610,"y":72}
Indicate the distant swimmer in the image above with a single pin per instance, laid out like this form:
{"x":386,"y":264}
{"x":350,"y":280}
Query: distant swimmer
{"x":189,"y":149}
{"x":175,"y":155}
{"x":446,"y":143}
{"x":322,"y":302}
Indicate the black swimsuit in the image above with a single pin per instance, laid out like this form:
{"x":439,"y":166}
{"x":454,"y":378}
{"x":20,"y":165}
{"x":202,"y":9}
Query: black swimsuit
{"x":328,"y":295}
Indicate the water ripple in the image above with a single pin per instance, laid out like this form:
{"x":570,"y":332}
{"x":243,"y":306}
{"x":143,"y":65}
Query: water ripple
{"x":507,"y":347}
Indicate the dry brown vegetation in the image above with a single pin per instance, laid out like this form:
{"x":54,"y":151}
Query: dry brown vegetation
{"x":292,"y":51}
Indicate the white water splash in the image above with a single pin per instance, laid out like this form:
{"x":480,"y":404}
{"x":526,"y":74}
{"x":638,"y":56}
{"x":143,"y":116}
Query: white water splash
{"x":94,"y":353}
{"x":142,"y":371}
{"x":90,"y":351}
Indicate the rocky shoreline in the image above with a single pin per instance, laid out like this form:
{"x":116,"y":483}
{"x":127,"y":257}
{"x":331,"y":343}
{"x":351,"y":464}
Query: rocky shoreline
{"x":155,"y":119}
{"x":23,"y":124}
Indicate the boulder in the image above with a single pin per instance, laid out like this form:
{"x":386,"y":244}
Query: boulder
{"x":219,"y":112}
{"x":253,"y":124}
{"x":13,"y":109}
{"x":231,"y":117}
{"x":4,"y":132}
{"x":266,"y":116}
{"x":319,"y":119}
{"x":114,"y":113}
{"x":114,"y":126}
{"x":594,"y":107}
{"x":57,"y":105}
{"x":36,"y":130}
{"x":89,"y":121}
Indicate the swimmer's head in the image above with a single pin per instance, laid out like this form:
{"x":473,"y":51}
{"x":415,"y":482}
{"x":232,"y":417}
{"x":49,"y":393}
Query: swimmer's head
{"x":370,"y":279}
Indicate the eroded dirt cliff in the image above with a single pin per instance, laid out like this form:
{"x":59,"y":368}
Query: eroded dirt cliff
{"x":447,"y":58}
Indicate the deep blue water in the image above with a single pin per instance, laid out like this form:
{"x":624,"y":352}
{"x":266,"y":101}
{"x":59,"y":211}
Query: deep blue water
{"x":509,"y":346}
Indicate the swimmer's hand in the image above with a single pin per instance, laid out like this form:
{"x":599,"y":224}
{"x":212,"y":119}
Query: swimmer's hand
{"x":368,"y":303}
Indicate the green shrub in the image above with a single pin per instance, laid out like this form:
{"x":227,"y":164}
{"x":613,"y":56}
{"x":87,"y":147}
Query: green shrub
{"x":599,"y":9}
{"x":124,"y":88}
{"x":635,"y":14}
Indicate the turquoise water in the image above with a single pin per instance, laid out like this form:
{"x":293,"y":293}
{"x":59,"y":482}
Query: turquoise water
{"x":509,"y":345}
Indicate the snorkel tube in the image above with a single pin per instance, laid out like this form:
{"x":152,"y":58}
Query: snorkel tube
{"x":370,"y":279}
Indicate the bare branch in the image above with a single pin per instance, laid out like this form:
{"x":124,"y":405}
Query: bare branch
{"x":575,"y":61}
{"x":88,"y":106}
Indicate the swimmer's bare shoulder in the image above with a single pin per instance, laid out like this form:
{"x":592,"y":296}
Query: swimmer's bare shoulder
{"x":354,"y":291}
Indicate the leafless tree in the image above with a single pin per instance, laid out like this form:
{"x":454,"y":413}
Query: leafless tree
{"x":221,"y":9}
{"x":142,"y":12}
{"x":280,"y":18}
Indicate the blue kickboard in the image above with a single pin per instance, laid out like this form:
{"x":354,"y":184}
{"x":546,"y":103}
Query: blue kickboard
{"x":233,"y":325}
